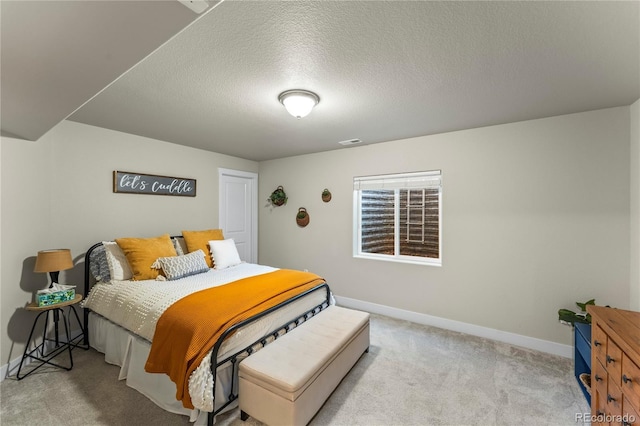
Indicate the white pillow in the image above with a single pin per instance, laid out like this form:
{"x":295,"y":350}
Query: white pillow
{"x":118,"y":265}
{"x":176,"y":267}
{"x":224,"y":253}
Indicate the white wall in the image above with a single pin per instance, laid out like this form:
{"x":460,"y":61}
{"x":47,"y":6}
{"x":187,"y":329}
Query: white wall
{"x":635,"y":205}
{"x":25,"y":224}
{"x":535,"y":217}
{"x":58,"y":192}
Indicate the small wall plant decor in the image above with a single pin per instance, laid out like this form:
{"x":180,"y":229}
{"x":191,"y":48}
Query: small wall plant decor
{"x":277,"y":197}
{"x":326,"y":195}
{"x":302,"y":217}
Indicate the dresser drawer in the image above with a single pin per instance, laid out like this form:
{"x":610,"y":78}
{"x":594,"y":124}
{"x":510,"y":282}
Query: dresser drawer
{"x":631,"y":381}
{"x":599,"y":347}
{"x":630,"y":416}
{"x":614,"y":361}
{"x":614,"y":397}
{"x":598,"y":407}
{"x":599,"y":378}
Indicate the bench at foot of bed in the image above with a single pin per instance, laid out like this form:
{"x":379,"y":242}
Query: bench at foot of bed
{"x":287,"y":382}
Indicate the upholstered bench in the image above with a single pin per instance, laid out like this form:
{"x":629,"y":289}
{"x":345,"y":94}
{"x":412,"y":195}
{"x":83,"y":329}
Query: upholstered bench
{"x":287,"y":381}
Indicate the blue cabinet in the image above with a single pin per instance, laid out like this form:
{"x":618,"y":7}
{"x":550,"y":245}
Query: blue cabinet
{"x":582,"y":357}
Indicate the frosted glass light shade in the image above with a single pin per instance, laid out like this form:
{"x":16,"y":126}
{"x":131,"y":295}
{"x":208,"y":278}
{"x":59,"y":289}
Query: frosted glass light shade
{"x":298,"y":103}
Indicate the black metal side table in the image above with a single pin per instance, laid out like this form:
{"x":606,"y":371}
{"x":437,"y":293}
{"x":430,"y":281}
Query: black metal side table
{"x":50,"y":348}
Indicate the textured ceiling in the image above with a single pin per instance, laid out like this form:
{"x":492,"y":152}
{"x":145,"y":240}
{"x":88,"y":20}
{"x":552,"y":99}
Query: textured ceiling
{"x":383,"y":71}
{"x":56,"y":55}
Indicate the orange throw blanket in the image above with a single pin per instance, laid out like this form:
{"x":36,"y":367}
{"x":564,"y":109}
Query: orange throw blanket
{"x":189,"y":328}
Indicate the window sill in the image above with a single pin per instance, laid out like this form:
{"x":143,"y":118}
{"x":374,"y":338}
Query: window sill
{"x":399,"y":259}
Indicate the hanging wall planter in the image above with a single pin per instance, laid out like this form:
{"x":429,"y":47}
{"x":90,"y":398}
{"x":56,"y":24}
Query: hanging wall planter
{"x":278,"y":197}
{"x":326,"y":195}
{"x":302,"y":217}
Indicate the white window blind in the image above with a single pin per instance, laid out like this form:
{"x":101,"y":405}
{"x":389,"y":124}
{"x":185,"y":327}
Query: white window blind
{"x":398,"y":181}
{"x":397,"y":217}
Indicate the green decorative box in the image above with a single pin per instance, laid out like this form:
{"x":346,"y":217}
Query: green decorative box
{"x":58,"y":294}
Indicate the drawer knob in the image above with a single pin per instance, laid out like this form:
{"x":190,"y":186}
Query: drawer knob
{"x":596,"y":343}
{"x":610,"y":360}
{"x":626,"y":379}
{"x":598,"y":378}
{"x":610,"y":398}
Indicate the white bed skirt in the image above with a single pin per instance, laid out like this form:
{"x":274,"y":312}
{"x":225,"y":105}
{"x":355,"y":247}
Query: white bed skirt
{"x":130,"y":353}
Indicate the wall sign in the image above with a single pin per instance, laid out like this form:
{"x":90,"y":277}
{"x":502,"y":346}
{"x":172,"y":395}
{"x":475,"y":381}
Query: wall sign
{"x":139,"y":183}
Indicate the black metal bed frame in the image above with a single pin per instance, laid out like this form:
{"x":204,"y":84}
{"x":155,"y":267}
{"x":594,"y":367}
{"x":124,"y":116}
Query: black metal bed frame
{"x":233,"y":358}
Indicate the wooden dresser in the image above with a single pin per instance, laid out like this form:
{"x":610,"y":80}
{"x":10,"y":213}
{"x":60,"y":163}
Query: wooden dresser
{"x":615,"y":366}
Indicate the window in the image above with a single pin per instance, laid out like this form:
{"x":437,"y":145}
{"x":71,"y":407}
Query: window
{"x":397,"y":217}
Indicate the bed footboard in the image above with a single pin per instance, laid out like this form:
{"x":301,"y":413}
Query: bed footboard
{"x":258,"y":344}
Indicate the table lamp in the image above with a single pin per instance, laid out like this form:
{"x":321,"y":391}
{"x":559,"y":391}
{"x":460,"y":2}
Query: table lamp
{"x":53,"y":261}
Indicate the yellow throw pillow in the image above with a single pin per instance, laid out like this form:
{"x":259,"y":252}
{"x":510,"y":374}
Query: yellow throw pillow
{"x":141,"y":253}
{"x":199,"y":240}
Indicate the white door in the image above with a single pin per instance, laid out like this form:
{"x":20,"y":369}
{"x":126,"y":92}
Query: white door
{"x":238,"y":211}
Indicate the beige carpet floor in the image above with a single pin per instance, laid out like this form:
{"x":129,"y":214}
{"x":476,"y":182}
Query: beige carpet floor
{"x":412,"y":375}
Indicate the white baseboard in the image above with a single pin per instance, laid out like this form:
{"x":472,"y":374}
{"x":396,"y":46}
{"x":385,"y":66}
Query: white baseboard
{"x":7,"y":369}
{"x":12,"y":367}
{"x":462,"y":327}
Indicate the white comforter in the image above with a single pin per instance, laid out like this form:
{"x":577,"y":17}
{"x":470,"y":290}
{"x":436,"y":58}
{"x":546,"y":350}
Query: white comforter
{"x":137,"y":305}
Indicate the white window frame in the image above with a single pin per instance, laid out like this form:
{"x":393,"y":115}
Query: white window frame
{"x":395,"y":181}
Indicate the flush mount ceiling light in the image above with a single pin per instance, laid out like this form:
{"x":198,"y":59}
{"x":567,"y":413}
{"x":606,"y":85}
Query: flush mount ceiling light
{"x":298,"y":103}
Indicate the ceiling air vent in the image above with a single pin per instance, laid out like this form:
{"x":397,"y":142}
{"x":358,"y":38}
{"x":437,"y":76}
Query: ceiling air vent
{"x":198,"y":6}
{"x":350,"y":142}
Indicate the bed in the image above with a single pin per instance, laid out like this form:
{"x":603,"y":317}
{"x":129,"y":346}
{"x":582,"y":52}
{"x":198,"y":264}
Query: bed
{"x":121,"y":317}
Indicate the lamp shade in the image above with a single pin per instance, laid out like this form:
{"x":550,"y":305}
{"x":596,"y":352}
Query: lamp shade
{"x":53,"y":260}
{"x":298,"y":103}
